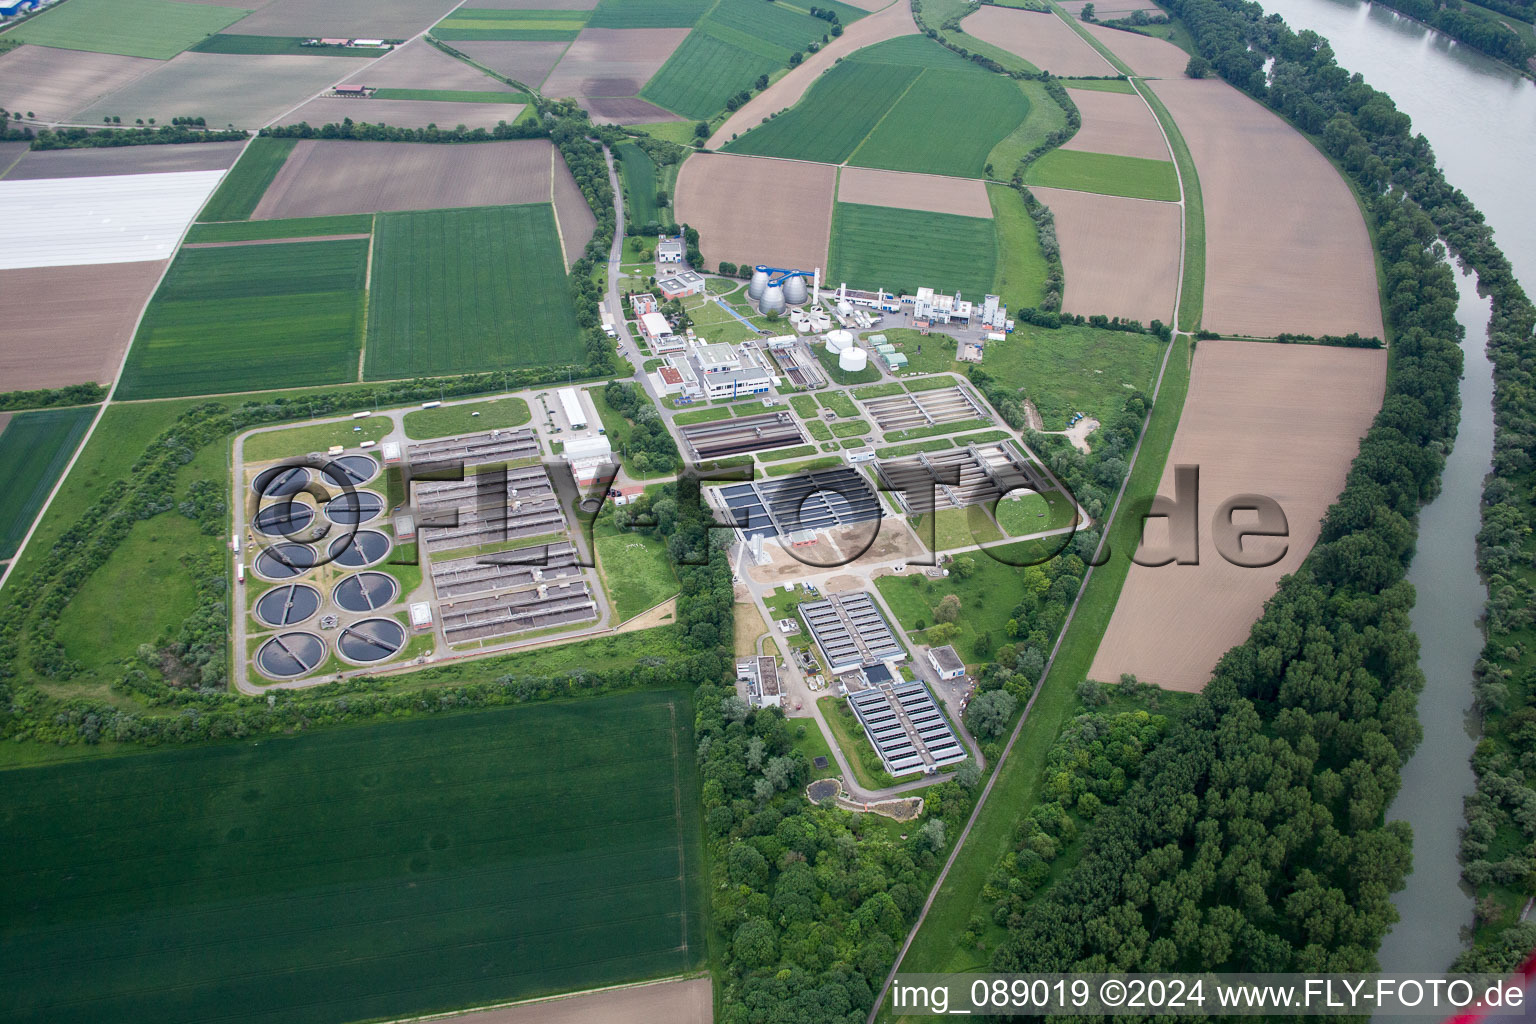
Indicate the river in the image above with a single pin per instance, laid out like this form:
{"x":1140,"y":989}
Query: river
{"x":1480,"y":116}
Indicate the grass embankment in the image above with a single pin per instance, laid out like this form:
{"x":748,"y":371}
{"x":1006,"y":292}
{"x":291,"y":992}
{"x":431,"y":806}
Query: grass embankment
{"x":316,"y":437}
{"x":1192,"y":288}
{"x":469,"y":418}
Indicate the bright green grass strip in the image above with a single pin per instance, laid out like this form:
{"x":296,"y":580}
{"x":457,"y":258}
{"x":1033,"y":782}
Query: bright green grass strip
{"x":838,"y":112}
{"x":638,"y":173}
{"x":34,"y":449}
{"x":288,"y":46}
{"x":921,"y":132}
{"x":1098,"y":84}
{"x":1021,"y":266}
{"x":466,"y":417}
{"x":451,"y":96}
{"x":797,"y":452}
{"x":1106,"y":174}
{"x":242,"y":188}
{"x":505,"y":35}
{"x":913,"y":51}
{"x":902,"y":250}
{"x":487,"y":285}
{"x":134,"y":28}
{"x":635,"y":567}
{"x":692,"y":416}
{"x":680,"y":132}
{"x":825,"y":462}
{"x":570,"y":827}
{"x":648,"y":13}
{"x":1045,"y":116}
{"x":1192,"y":290}
{"x":1017,"y":787}
{"x":838,"y":402}
{"x":297,"y":227}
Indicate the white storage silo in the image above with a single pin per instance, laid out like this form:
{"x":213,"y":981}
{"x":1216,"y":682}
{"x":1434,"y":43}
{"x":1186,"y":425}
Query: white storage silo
{"x":839,"y":341}
{"x":852,"y":360}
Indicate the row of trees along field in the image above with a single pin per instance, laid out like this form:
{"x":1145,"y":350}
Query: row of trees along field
{"x":1255,"y":836}
{"x":1480,"y":29}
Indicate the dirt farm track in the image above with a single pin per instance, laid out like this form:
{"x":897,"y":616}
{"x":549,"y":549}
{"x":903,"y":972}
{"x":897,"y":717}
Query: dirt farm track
{"x":1283,"y":421}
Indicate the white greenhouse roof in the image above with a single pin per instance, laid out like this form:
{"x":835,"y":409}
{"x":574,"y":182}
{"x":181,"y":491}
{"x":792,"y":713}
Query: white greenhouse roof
{"x":120,"y":218}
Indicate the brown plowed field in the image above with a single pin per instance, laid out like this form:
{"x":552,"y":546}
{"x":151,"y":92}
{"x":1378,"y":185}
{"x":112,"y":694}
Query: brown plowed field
{"x":895,"y":20}
{"x":326,"y":177}
{"x":612,"y":61}
{"x":665,"y":1002}
{"x":1044,"y":40}
{"x":526,"y":62}
{"x":10,"y":152}
{"x":534,"y":5}
{"x":92,"y":163}
{"x":1145,"y":55}
{"x":1285,"y":246}
{"x":625,"y":110}
{"x":354,"y":19}
{"x":777,"y":212}
{"x":403,"y":113}
{"x":1111,"y":10}
{"x":56,"y":84}
{"x":572,"y":210}
{"x":70,"y":325}
{"x":964,"y":197}
{"x":1283,"y":421}
{"x":1120,"y":256}
{"x":420,"y":65}
{"x":1117,"y":122}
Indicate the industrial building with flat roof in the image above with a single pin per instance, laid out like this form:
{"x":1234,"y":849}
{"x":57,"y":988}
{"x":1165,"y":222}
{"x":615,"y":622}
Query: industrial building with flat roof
{"x":742,"y":434}
{"x":816,"y":500}
{"x":959,"y":477}
{"x":570,"y":404}
{"x":851,"y":632}
{"x":761,"y":674}
{"x":906,"y":728}
{"x":946,"y":662}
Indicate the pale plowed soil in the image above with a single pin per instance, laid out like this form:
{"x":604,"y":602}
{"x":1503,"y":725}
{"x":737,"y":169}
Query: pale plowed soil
{"x":965,"y":197}
{"x":754,"y":209}
{"x":1120,"y":256}
{"x":612,"y":61}
{"x":1283,"y":421}
{"x":1111,"y":10}
{"x":1044,"y":40}
{"x":10,"y":153}
{"x":56,"y":84}
{"x":666,"y":1002}
{"x":354,"y":19}
{"x":888,"y":23}
{"x":419,"y":65}
{"x":526,"y":62}
{"x":1119,"y":123}
{"x":1286,"y":248}
{"x":93,"y":163}
{"x":70,"y":325}
{"x":325,"y":177}
{"x":534,"y":5}
{"x":574,"y":213}
{"x":403,"y":113}
{"x":1145,"y":55}
{"x":625,"y":110}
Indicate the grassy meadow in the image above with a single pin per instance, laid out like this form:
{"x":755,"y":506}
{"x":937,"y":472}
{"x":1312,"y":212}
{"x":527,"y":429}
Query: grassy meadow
{"x":1021,"y":269}
{"x":466,"y":418}
{"x":1106,"y":174}
{"x":635,"y":568}
{"x":34,"y":449}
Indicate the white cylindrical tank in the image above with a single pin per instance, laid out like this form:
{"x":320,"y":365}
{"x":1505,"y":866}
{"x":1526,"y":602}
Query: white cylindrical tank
{"x":772,"y":300}
{"x":853,"y":359}
{"x":795,"y":292}
{"x":844,"y":307}
{"x":839,"y":341}
{"x":759,"y":284}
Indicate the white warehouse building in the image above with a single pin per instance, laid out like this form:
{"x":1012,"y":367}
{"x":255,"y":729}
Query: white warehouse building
{"x":570,"y":403}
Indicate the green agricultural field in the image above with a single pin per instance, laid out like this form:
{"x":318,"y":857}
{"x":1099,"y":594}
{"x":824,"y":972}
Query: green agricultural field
{"x":34,"y":449}
{"x":476,"y":23}
{"x":134,"y":28}
{"x":249,"y":317}
{"x":838,"y":112}
{"x":288,"y":46}
{"x":242,"y":188}
{"x":297,"y":227}
{"x":1075,"y":369}
{"x":922,"y":133}
{"x":486,"y":285}
{"x":1021,"y":267}
{"x":638,"y":173}
{"x":648,"y":13}
{"x":1045,"y":117}
{"x":1106,"y":174}
{"x":372,"y":872}
{"x":1099,"y":84}
{"x":913,"y":51}
{"x":451,"y":96}
{"x":461,"y":418}
{"x":901,"y":250}
{"x":635,"y":567}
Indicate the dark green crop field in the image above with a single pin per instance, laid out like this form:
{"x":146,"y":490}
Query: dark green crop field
{"x":836,"y":115}
{"x":290,"y":46}
{"x":251,"y":317}
{"x":297,"y":227}
{"x":648,"y":13}
{"x":364,"y":873}
{"x":875,"y":246}
{"x":457,"y":291}
{"x":34,"y":449}
{"x":242,"y":188}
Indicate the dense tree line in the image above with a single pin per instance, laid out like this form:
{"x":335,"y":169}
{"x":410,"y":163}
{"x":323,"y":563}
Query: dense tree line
{"x":349,"y":129}
{"x":1477,"y":29}
{"x":46,"y":398}
{"x":165,"y":135}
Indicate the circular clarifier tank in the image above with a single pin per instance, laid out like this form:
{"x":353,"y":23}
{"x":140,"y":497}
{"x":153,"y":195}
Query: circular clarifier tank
{"x":355,"y":550}
{"x":351,"y":469}
{"x":371,"y":640}
{"x":365,"y":592}
{"x":285,"y":518}
{"x":280,"y":481}
{"x":354,"y":507}
{"x":288,"y":604}
{"x":285,"y":561}
{"x":290,"y":654}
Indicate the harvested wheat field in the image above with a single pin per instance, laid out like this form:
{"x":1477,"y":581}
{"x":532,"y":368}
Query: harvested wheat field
{"x":777,"y":212}
{"x":96,"y":163}
{"x":661,"y":1002}
{"x":352,"y":19}
{"x":55,"y":84}
{"x":403,"y":113}
{"x":1283,"y":421}
{"x":963,"y":197}
{"x":572,"y":211}
{"x":526,"y":62}
{"x":888,"y":23}
{"x":612,"y":61}
{"x":1120,"y":256}
{"x":244,"y":90}
{"x":1145,"y":55}
{"x":326,"y":177}
{"x":1118,"y":123}
{"x":420,"y":65}
{"x":1285,"y":246}
{"x":1044,"y":40}
{"x":70,"y":325}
